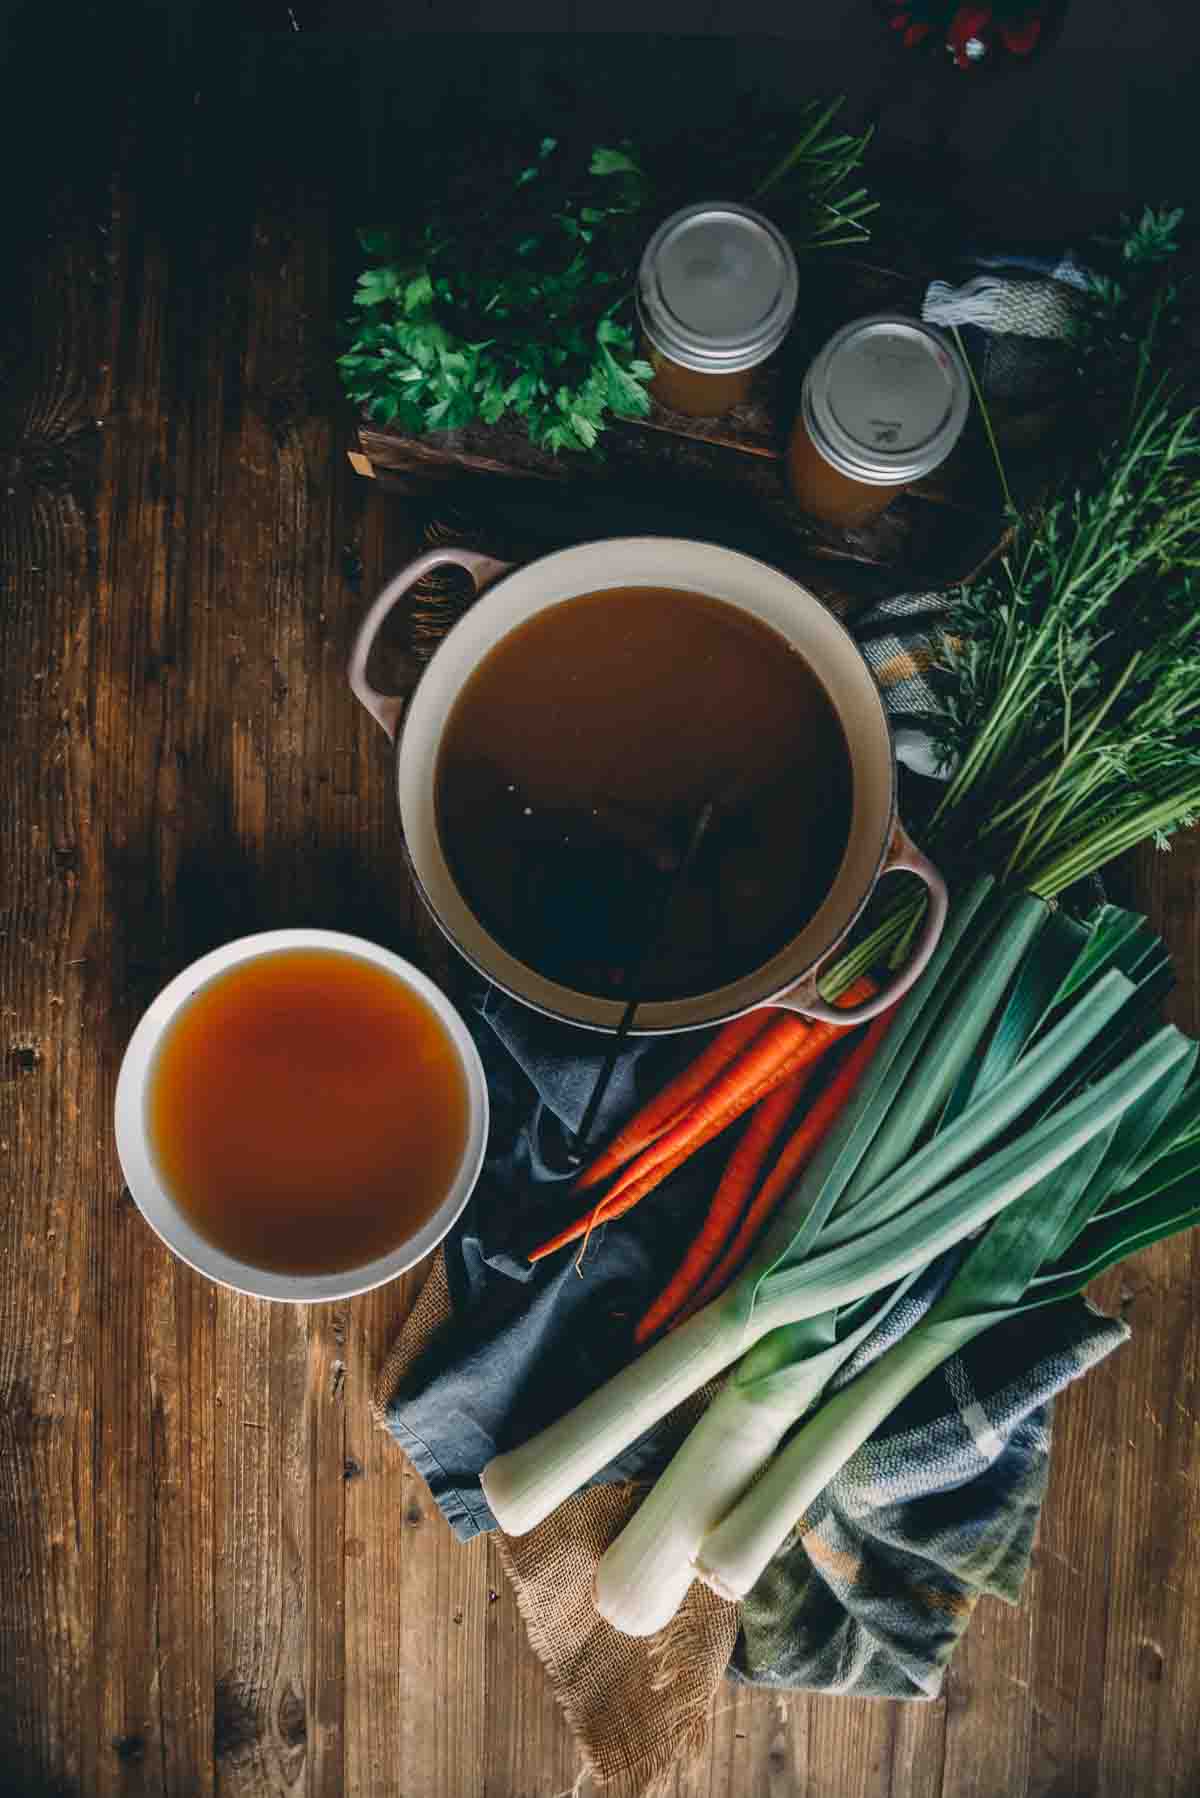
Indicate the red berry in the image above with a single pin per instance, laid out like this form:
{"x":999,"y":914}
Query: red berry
{"x":1020,"y":39}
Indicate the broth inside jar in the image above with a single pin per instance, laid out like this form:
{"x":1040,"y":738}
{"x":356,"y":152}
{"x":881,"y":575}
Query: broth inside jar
{"x":692,"y":391}
{"x":308,"y":1111}
{"x":827,"y":494}
{"x":576,"y":764}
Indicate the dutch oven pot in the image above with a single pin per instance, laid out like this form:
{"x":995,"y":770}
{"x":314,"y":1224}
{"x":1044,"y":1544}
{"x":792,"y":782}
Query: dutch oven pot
{"x":877,"y":844}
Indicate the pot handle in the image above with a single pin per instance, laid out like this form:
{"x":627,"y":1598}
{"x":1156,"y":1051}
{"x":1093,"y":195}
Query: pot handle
{"x":902,"y":854}
{"x":388,"y":708}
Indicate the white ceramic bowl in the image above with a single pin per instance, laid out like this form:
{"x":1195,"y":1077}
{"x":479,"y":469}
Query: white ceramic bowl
{"x":153,"y":1198}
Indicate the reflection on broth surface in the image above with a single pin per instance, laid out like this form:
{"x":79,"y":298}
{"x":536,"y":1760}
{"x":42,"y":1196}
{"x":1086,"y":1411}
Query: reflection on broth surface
{"x":580,"y":754}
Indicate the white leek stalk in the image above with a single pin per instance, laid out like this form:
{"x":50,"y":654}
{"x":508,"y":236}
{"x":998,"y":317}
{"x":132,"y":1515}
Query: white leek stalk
{"x":735,"y":1555}
{"x":645,"y":1574}
{"x":524,"y":1485}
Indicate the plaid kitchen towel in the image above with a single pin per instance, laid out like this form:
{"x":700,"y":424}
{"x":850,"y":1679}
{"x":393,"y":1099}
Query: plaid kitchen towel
{"x":877,"y":1583}
{"x":1016,"y":329}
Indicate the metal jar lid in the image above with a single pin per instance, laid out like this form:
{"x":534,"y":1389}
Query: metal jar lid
{"x":717,"y":288}
{"x":885,"y":401}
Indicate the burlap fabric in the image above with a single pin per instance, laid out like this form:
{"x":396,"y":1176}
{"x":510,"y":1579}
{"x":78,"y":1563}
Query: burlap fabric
{"x":637,"y":1707}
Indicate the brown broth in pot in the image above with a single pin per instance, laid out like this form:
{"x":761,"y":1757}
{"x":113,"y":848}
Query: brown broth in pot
{"x":578,"y":759}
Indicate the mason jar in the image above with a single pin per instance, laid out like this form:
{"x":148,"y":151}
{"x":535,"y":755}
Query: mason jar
{"x":883,"y":404}
{"x":716,"y":295}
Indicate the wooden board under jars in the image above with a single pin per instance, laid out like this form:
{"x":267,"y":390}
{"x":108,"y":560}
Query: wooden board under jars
{"x":726,"y":478}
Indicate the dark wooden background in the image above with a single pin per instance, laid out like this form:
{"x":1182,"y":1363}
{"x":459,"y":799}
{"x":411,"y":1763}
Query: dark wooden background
{"x":215,"y":1578}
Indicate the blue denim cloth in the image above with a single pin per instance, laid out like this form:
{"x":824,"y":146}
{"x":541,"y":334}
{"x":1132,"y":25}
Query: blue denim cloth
{"x":530,"y":1342}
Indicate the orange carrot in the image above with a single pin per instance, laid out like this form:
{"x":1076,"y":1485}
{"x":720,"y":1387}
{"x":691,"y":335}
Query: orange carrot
{"x":639,"y":1180}
{"x":796,"y":1154}
{"x":767,"y":1122}
{"x":751,"y":1076}
{"x":784,"y":1048}
{"x":665,"y":1107}
{"x":744,"y":1080}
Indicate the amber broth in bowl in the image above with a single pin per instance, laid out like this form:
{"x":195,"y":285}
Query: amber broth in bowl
{"x":578,"y":759}
{"x":308,"y":1111}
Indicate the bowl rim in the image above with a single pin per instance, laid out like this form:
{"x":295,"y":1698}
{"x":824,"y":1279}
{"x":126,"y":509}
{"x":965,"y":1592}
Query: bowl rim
{"x":162,"y":1212}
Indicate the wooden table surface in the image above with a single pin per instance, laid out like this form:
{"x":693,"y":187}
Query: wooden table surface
{"x":215,"y":1576}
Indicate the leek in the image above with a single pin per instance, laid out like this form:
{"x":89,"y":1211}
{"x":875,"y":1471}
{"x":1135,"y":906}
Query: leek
{"x":951,"y":1049}
{"x":1058,"y":1226}
{"x":915,"y":1236}
{"x":646,"y":1572}
{"x":928,"y":1206}
{"x":644,"y":1576}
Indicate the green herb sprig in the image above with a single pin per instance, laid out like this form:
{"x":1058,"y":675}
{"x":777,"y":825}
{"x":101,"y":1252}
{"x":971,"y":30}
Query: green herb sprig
{"x":1069,"y":675}
{"x":514,"y":297}
{"x":1072,"y":677}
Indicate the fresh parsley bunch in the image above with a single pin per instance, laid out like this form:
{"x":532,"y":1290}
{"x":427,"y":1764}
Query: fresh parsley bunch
{"x":514,"y":300}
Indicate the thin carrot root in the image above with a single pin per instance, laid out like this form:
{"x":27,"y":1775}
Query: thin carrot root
{"x":638,"y":1181}
{"x":666,"y":1107}
{"x":787,"y":1046}
{"x":724,"y":1100}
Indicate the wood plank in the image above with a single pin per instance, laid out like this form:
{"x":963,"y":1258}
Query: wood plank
{"x":326,"y":1453}
{"x":375,"y":1598}
{"x":53,"y":988}
{"x":155,"y":1400}
{"x":1150,"y":1737}
{"x":528,"y":1747}
{"x":986,"y":1698}
{"x":742,"y":1727}
{"x":848,"y":1747}
{"x":766,"y":1732}
{"x":1074,"y":1563}
{"x":918,"y":1755}
{"x":269,"y":755}
{"x":416,"y":1604}
{"x":259,"y":1651}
